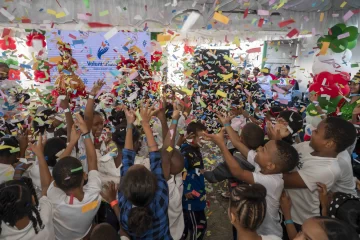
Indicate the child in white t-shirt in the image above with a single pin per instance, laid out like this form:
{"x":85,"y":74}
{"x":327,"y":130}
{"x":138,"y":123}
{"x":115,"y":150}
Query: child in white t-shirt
{"x":318,"y":164}
{"x":270,"y":162}
{"x":74,"y":204}
{"x":247,"y":211}
{"x":23,"y":216}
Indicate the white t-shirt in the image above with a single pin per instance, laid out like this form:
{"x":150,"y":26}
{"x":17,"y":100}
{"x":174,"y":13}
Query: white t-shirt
{"x":175,"y":210}
{"x":74,"y":221}
{"x":28,"y":233}
{"x":33,"y":172}
{"x":157,"y":130}
{"x":264,"y":82}
{"x":274,"y":185}
{"x":312,"y":169}
{"x":270,"y":237}
{"x":108,"y":170}
{"x":345,"y":183}
{"x":284,"y":97}
{"x":6,"y":172}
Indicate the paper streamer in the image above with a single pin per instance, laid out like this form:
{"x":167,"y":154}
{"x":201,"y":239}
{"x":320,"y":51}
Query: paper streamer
{"x":190,"y":21}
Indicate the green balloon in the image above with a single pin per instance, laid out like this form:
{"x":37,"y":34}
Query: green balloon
{"x":338,"y":45}
{"x":322,"y":39}
{"x":352,"y":45}
{"x":341,"y":25}
{"x":354,"y":33}
{"x":335,"y":31}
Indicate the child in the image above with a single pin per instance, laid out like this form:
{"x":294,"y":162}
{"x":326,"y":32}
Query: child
{"x":318,"y":164}
{"x":143,"y":196}
{"x":194,"y":201}
{"x":104,"y":231}
{"x":22,"y":215}
{"x":253,"y":137}
{"x":74,"y":204}
{"x":270,"y":161}
{"x":247,"y":211}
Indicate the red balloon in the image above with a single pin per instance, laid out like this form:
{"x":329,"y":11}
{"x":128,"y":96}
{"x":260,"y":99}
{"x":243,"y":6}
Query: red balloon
{"x":341,"y":78}
{"x":322,"y":76}
{"x":332,"y":91}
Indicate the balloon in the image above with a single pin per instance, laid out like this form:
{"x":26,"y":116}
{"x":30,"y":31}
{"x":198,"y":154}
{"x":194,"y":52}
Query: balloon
{"x":325,"y":38}
{"x":353,"y":33}
{"x":332,"y":62}
{"x":338,"y":45}
{"x":322,"y":76}
{"x":341,"y":25}
{"x":352,"y":44}
{"x":335,"y":31}
{"x":342,"y":78}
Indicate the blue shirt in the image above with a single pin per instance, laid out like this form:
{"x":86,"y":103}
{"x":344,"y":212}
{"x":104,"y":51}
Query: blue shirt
{"x":194,"y":181}
{"x":159,"y":205}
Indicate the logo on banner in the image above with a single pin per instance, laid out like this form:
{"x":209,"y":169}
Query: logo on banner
{"x":103,"y":49}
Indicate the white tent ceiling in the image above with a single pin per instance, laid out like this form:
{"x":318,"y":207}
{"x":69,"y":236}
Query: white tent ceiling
{"x":158,"y":15}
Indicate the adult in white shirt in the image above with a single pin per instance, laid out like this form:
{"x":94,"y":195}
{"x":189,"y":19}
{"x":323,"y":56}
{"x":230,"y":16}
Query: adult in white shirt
{"x":265,"y":83}
{"x":19,"y":214}
{"x":285,"y":85}
{"x":346,"y":182}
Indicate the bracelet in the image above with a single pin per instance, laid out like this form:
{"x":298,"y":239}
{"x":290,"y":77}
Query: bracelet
{"x":227,"y":125}
{"x":113,"y":203}
{"x":152,"y":146}
{"x":86,"y":135}
{"x":129,"y":126}
{"x":286,"y":222}
{"x":91,"y":96}
{"x":66,"y":110}
{"x":174,"y":121}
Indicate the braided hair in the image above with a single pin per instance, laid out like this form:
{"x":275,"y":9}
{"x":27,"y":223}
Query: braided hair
{"x":248,"y":204}
{"x":16,"y":202}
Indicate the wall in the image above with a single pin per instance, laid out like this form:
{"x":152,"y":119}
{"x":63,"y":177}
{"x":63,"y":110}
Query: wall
{"x":280,"y":53}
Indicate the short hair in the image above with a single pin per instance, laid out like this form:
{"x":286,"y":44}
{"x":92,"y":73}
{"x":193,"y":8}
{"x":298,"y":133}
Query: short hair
{"x":249,"y":202}
{"x":288,"y":157}
{"x":194,"y":127}
{"x":342,"y":132}
{"x":257,"y":69}
{"x":12,"y":142}
{"x":287,"y":67}
{"x":64,"y":178}
{"x":52,"y":147}
{"x":104,"y":231}
{"x":337,"y":229}
{"x":119,"y":135}
{"x":348,"y":211}
{"x":252,"y":136}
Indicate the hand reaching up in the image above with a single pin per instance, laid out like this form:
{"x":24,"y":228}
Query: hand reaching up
{"x":38,"y":148}
{"x":215,"y":138}
{"x":285,"y":203}
{"x":146,"y":112}
{"x":97,"y":87}
{"x":176,"y":111}
{"x":75,"y":135}
{"x":130,"y":116}
{"x":109,"y":192}
{"x":81,"y":124}
{"x":223,"y":119}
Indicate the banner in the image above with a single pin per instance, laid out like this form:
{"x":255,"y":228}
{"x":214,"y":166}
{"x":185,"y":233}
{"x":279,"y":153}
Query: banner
{"x":96,"y":56}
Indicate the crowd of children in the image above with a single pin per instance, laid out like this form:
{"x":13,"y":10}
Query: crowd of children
{"x":70,"y":173}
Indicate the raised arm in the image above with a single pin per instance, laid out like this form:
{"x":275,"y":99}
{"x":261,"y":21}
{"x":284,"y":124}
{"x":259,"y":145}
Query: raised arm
{"x":45,"y":176}
{"x":130,"y":119}
{"x":89,"y":145}
{"x":167,"y":150}
{"x":160,"y":114}
{"x":69,"y":120}
{"x":146,"y":113}
{"x":234,"y":136}
{"x":74,"y":137}
{"x":234,"y":167}
{"x":89,"y":110}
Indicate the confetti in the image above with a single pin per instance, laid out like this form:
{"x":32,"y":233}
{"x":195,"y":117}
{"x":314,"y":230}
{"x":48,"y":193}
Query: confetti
{"x":292,"y":33}
{"x":348,"y":15}
{"x":221,"y":18}
{"x":190,"y":21}
{"x":7,"y":14}
{"x":285,"y":23}
{"x":90,"y":206}
{"x":261,"y":12}
{"x":104,"y":13}
{"x":110,"y":33}
{"x":343,"y":4}
{"x":324,"y":48}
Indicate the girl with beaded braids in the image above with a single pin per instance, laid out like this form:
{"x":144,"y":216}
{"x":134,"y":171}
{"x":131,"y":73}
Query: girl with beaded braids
{"x":22,"y":215}
{"x":247,"y":210}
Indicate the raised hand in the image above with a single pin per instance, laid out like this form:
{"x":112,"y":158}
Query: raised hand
{"x":81,"y":124}
{"x":224,"y":119}
{"x":285,"y":203}
{"x":97,"y":87}
{"x":130,"y":116}
{"x":38,"y":148}
{"x":75,"y":135}
{"x":109,"y":192}
{"x":146,"y":112}
{"x":176,"y":111}
{"x":215,"y":138}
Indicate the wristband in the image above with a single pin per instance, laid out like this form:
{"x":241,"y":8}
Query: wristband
{"x":129,"y":126}
{"x":86,"y":135}
{"x":91,"y":96}
{"x":174,"y":121}
{"x":227,"y":125}
{"x":66,"y":110}
{"x":286,"y":222}
{"x":113,"y":203}
{"x":152,"y":146}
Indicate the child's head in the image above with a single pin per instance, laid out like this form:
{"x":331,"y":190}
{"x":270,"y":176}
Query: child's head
{"x":139,"y":187}
{"x":196,"y":128}
{"x":324,"y":228}
{"x":252,"y":136}
{"x":276,"y":157}
{"x":333,"y":135}
{"x":98,"y":124}
{"x":248,"y":206}
{"x":289,"y":123}
{"x":176,"y":162}
{"x":8,"y":145}
{"x":273,"y":112}
{"x":18,"y":200}
{"x":119,"y":137}
{"x":51,"y":149}
{"x":104,"y":231}
{"x":68,"y":174}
